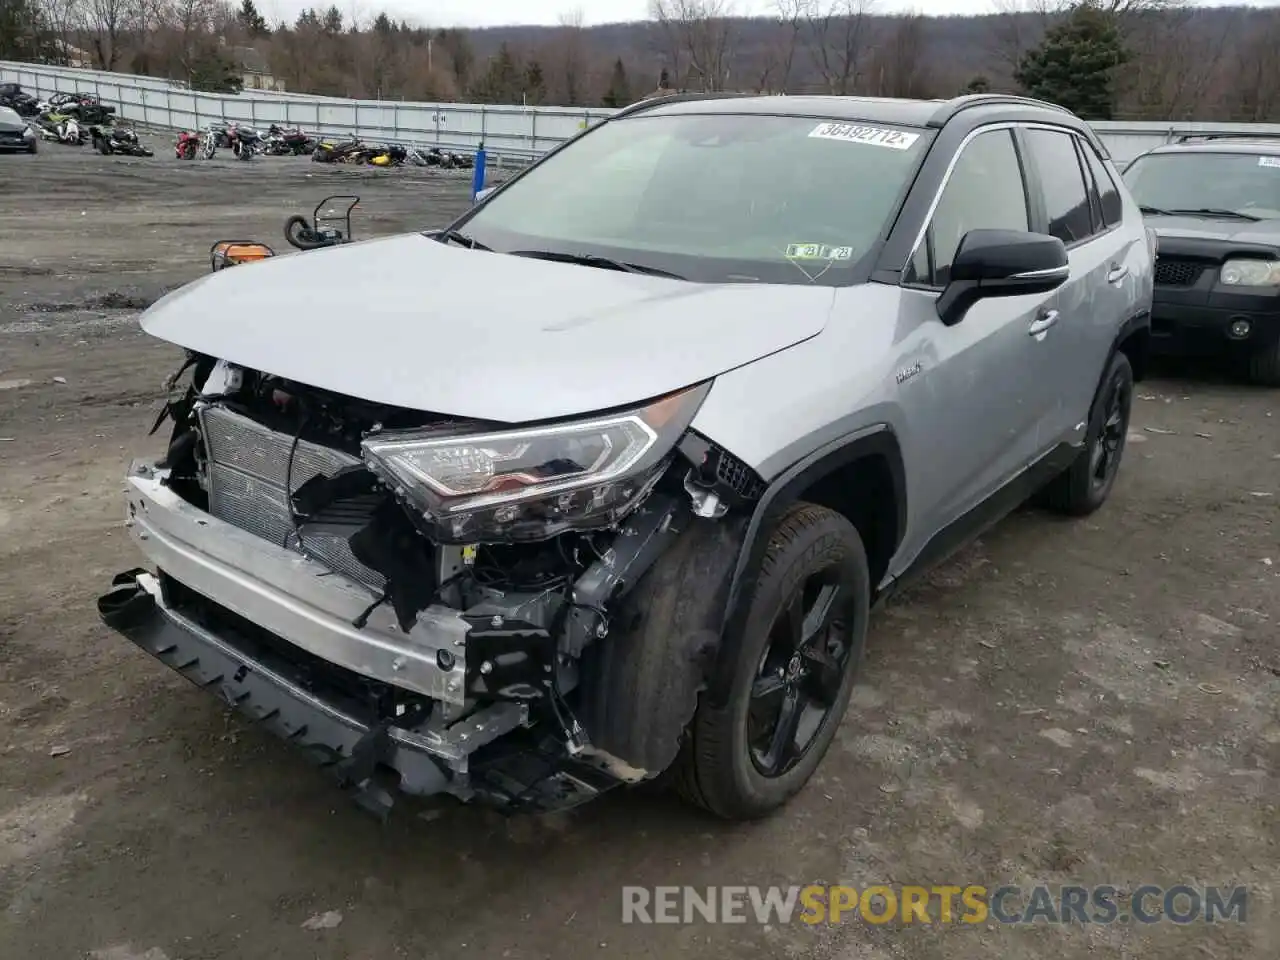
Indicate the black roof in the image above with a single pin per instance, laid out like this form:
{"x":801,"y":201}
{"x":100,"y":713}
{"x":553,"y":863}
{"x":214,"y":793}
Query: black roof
{"x":911,"y":113}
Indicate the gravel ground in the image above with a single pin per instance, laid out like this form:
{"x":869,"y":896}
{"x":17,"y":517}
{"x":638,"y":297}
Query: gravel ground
{"x":1090,"y":702}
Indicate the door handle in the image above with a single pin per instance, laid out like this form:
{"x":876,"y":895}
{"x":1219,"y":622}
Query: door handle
{"x":1043,"y":322}
{"x":1117,"y":273}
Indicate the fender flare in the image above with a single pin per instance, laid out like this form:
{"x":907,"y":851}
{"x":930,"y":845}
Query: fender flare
{"x":876,"y":440}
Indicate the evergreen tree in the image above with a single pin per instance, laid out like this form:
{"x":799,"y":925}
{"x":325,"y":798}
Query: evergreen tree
{"x":331,"y":23}
{"x":977,"y":84}
{"x":619,"y":92}
{"x":1075,"y":65}
{"x":503,"y":81}
{"x":254,"y":23}
{"x":214,"y":73}
{"x":535,"y":84}
{"x":382,"y":25}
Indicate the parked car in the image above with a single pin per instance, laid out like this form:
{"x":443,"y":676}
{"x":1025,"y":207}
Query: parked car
{"x":15,"y":133}
{"x":734,"y":371}
{"x":1214,"y":202}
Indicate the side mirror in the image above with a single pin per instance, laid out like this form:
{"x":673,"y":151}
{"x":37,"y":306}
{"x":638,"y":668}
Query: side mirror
{"x":1001,"y":263}
{"x":481,"y":195}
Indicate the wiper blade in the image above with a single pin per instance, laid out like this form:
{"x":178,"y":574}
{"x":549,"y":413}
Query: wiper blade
{"x":457,"y":236}
{"x":593,"y":260}
{"x":1154,"y":211}
{"x":1220,"y":212}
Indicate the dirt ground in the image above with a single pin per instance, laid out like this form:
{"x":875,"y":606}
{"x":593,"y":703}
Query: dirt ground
{"x":1091,"y":702}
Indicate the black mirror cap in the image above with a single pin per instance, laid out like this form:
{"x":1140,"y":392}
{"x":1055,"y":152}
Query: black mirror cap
{"x":999,"y":255}
{"x":1002,"y":263}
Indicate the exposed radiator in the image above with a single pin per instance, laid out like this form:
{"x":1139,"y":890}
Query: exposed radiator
{"x":247,"y":467}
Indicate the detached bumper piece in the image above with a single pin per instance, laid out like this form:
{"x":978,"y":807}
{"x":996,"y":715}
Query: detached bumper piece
{"x":330,"y":734}
{"x":306,"y":704}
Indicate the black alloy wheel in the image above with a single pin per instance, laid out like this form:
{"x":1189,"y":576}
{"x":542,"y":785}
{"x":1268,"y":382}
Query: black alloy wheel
{"x":799,"y":676}
{"x":1108,"y":446}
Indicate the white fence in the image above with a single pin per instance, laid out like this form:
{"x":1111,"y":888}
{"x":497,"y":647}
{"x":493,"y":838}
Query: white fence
{"x":507,"y":131}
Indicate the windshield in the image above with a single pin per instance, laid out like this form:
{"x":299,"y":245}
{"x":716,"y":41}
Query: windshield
{"x":711,"y":198}
{"x":1179,"y":182}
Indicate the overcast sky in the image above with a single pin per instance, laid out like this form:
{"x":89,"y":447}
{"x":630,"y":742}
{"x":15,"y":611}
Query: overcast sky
{"x":494,"y":12}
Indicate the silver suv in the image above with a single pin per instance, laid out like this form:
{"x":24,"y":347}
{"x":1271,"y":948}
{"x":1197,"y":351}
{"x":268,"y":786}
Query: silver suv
{"x":603,"y":480}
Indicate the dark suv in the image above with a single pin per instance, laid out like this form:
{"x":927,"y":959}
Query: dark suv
{"x":1214,"y":202}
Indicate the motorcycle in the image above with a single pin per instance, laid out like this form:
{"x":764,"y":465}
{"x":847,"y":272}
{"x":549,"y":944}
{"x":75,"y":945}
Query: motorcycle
{"x":322,"y":230}
{"x":60,"y":128}
{"x":245,"y":142}
{"x":188,"y":145}
{"x":283,"y":143}
{"x":338,"y":151}
{"x":389,"y":156}
{"x":444,"y":159}
{"x":118,"y":140}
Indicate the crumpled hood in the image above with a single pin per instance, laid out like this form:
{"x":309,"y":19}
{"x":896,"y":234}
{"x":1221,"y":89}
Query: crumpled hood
{"x":1212,"y":228}
{"x":411,"y":322}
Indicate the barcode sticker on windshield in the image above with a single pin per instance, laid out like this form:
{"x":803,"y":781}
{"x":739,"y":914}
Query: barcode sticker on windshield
{"x":1269,"y":161}
{"x":857,"y":133}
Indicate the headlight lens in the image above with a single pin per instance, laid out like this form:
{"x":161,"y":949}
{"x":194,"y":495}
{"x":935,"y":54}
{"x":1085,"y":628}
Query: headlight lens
{"x":534,"y":482}
{"x":1250,"y":273}
{"x":28,"y":133}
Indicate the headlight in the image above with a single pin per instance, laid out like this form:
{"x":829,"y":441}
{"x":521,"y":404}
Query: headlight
{"x":534,"y":482}
{"x":28,"y":133}
{"x":1250,"y":273}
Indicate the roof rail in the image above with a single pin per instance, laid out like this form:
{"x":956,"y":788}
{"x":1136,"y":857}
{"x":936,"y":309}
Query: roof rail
{"x":1204,"y":137}
{"x":650,"y":102}
{"x":953,"y":106}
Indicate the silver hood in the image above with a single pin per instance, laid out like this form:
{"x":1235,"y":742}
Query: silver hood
{"x":414,"y":323}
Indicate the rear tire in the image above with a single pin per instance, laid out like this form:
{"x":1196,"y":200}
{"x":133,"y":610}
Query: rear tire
{"x":1085,"y":485}
{"x":800,"y":650}
{"x":1264,"y":366}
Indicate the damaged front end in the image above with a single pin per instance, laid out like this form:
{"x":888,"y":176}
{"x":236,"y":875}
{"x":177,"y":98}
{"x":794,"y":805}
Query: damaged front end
{"x":407,"y":596}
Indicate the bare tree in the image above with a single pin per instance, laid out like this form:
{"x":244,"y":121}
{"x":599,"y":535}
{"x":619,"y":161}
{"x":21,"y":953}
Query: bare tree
{"x":900,"y":63}
{"x":569,"y":53}
{"x":790,"y":22}
{"x":106,"y":22}
{"x":1176,"y":57}
{"x":700,"y":32}
{"x":63,"y":18}
{"x":838,"y":36}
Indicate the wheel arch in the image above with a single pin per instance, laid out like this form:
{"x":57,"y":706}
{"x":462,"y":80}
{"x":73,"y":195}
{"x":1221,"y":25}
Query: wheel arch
{"x":851,"y":475}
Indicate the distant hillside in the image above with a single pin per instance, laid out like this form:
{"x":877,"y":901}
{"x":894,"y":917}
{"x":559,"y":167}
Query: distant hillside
{"x":1187,"y":63}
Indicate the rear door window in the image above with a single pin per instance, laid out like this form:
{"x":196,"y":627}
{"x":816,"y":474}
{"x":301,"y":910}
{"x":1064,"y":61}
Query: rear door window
{"x":1065,"y":199}
{"x":1108,"y":193}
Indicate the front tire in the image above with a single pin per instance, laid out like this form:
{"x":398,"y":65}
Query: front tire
{"x":1264,"y":366}
{"x":792,"y":676}
{"x":1084,"y":486}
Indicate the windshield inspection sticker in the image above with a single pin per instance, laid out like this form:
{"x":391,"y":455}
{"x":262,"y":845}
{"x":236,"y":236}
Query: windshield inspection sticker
{"x":817,"y":251}
{"x":857,"y":133}
{"x":1269,"y":161}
